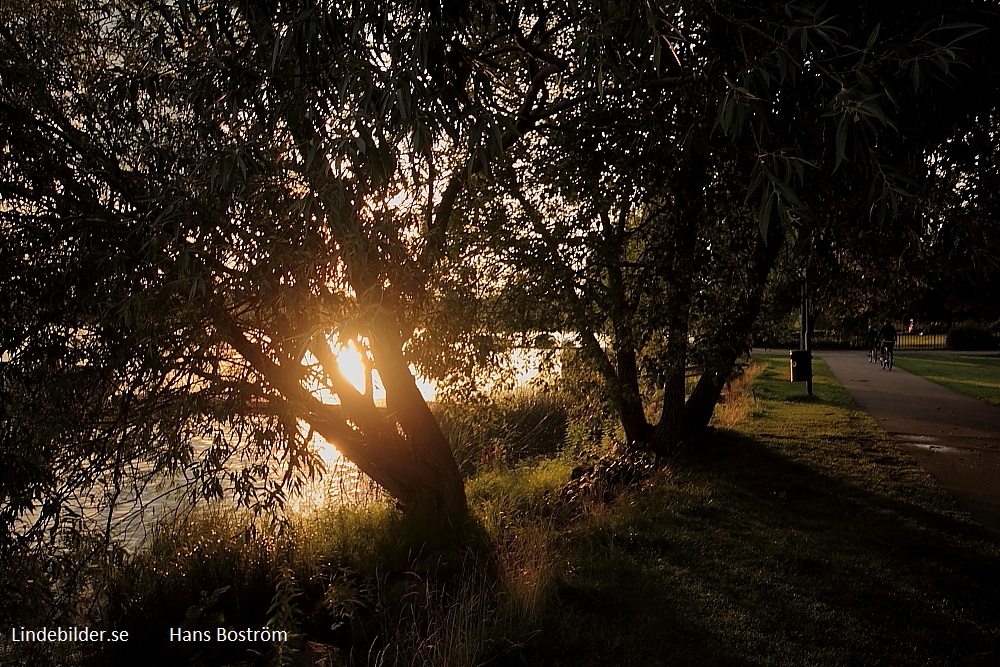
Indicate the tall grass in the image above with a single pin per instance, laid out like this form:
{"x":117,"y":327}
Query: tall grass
{"x":478,"y":618}
{"x":502,"y":430}
{"x":738,"y":401}
{"x":344,"y":579}
{"x":497,"y":605}
{"x":219,"y":567}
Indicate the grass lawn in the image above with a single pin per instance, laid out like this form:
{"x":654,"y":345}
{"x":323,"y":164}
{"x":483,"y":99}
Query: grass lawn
{"x":803,"y":538}
{"x":976,"y":376}
{"x":797,"y":535}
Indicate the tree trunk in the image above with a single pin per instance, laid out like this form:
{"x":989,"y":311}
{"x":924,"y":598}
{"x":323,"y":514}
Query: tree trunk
{"x":621,"y":311}
{"x":667,"y":435}
{"x":404,"y":452}
{"x":701,"y":404}
{"x":431,"y":483}
{"x":628,"y":398}
{"x":681,"y":247}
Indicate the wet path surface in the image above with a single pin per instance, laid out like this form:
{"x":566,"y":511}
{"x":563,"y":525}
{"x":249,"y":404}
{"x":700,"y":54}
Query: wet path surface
{"x":955,"y":437}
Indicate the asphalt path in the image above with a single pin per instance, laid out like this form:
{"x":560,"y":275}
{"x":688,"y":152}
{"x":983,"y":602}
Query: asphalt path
{"x":956,"y":438}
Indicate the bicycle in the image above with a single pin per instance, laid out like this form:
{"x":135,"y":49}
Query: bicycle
{"x":885,"y":356}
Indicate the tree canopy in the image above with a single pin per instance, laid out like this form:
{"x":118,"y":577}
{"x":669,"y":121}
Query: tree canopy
{"x":201,"y":202}
{"x":648,"y":220}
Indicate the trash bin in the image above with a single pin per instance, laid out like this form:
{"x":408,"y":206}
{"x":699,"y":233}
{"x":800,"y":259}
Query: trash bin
{"x":801,"y":365}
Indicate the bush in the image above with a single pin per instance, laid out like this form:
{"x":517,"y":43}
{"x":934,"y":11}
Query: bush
{"x":607,"y":476}
{"x":971,"y":337}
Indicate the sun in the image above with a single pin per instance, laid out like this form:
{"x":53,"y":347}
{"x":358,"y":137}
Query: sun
{"x":351,"y":362}
{"x":352,"y":365}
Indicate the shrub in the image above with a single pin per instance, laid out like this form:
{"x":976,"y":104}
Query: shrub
{"x":606,"y":477}
{"x":971,"y":337}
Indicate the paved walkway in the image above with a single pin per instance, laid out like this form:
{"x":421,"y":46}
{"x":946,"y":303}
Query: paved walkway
{"x":955,"y":437}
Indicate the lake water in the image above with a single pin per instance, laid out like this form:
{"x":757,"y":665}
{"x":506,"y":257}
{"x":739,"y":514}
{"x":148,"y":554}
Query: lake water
{"x":149,"y":499}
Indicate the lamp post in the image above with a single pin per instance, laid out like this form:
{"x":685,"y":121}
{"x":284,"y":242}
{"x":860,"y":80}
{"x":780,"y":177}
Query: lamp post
{"x":804,"y":327}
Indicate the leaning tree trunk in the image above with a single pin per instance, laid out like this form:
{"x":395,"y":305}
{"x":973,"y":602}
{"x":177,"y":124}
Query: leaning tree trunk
{"x":429,"y":481}
{"x":402,"y":450}
{"x":701,"y":404}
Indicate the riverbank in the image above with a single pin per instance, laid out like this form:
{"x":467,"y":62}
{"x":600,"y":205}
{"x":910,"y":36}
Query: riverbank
{"x":800,"y":535}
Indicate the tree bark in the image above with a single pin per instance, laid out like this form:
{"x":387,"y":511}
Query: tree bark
{"x":701,"y":404}
{"x":682,"y":245}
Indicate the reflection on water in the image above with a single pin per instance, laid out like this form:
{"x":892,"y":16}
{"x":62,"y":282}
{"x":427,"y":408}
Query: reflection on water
{"x":129,"y":511}
{"x":340,"y":483}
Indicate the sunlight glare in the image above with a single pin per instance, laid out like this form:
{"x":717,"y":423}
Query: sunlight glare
{"x":351,"y":365}
{"x":327,"y":452}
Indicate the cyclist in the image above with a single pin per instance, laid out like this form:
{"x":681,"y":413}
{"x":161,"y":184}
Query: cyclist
{"x":887,"y":337}
{"x":871,"y":342}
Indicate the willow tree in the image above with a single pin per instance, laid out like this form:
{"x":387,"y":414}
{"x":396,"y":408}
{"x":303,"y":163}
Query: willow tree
{"x":650,"y":218}
{"x":201,"y":201}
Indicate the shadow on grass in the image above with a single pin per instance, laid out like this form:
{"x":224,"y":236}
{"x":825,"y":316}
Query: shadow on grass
{"x":804,"y":496}
{"x":804,"y":398}
{"x":748,"y":557}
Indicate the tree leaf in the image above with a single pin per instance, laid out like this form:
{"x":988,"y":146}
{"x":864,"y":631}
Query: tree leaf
{"x":841,"y":142}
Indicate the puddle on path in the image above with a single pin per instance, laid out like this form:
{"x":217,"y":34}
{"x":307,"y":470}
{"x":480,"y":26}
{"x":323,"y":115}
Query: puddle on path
{"x":937,"y":449}
{"x":924,"y":442}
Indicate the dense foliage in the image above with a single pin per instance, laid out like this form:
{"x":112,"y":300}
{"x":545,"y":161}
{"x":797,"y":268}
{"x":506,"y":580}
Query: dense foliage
{"x":721,"y":153}
{"x":202,"y":202}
